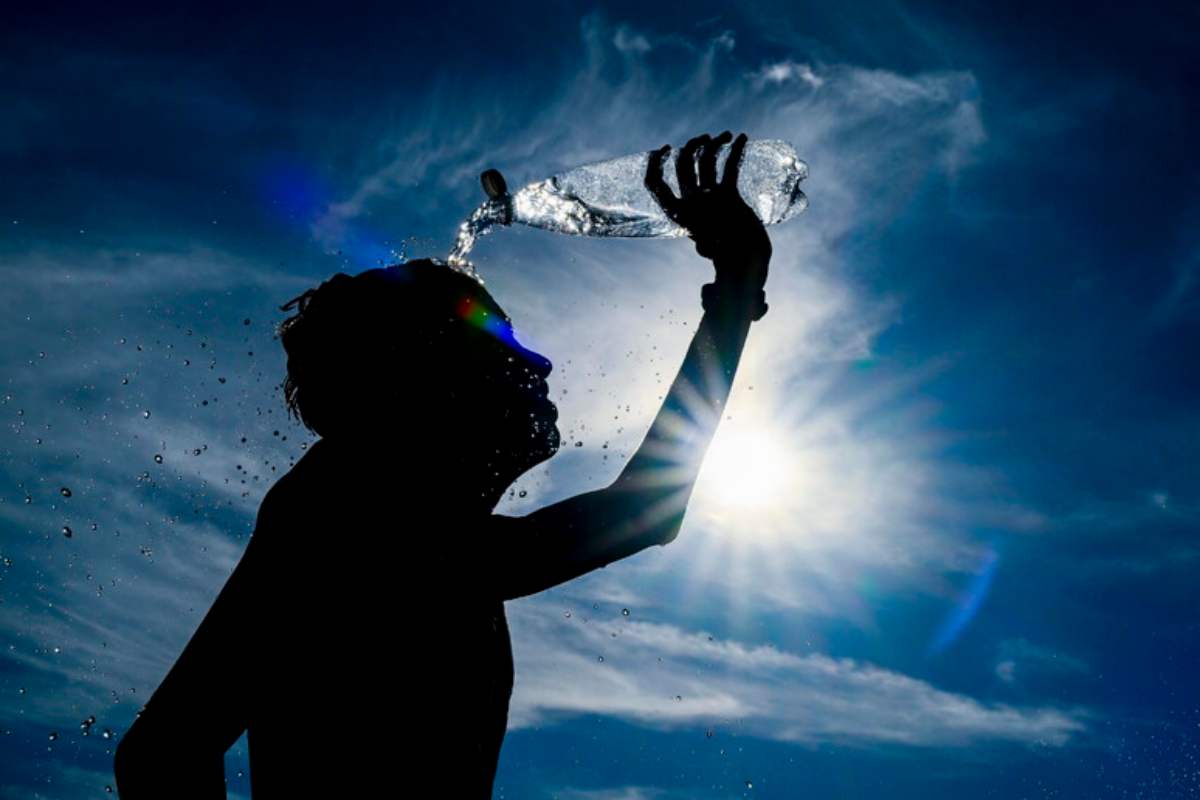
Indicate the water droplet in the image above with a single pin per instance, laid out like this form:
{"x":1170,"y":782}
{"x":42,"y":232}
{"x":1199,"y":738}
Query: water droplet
{"x":28,"y":499}
{"x":65,"y":492}
{"x":146,"y":414}
{"x":749,"y":785}
{"x":108,"y":790}
{"x":8,"y":563}
{"x":53,"y":735}
{"x":522,"y":493}
{"x":158,"y":459}
{"x":624,"y":612}
{"x":106,"y":734}
{"x":67,"y":531}
{"x":678,"y":698}
{"x":708,"y":734}
{"x":600,"y":659}
{"x":567,"y":614}
{"x":579,"y":443}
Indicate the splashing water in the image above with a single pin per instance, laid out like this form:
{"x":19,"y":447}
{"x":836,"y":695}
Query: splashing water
{"x":480,"y":223}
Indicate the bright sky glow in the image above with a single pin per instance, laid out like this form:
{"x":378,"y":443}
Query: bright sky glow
{"x":749,"y":469}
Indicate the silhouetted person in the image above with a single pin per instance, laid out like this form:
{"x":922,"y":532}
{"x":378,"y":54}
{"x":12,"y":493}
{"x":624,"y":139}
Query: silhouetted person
{"x":361,"y":640}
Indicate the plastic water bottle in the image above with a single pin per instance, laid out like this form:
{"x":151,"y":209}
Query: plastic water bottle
{"x":610,"y":198}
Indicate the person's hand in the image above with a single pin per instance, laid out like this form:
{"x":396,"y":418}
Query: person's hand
{"x":724,"y":228}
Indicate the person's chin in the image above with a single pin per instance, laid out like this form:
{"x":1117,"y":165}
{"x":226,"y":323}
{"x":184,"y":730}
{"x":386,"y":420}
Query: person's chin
{"x":540,"y":437}
{"x":553,"y":439}
{"x":547,"y":439}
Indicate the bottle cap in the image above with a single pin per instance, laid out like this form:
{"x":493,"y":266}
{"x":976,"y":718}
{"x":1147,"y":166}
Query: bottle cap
{"x":494,"y":184}
{"x":497,"y":192}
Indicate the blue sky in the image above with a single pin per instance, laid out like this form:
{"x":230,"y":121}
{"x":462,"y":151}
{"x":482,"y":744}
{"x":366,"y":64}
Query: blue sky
{"x":976,"y":575}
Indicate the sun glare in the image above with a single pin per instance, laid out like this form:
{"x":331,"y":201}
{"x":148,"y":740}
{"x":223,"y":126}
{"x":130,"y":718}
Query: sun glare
{"x":748,"y":469}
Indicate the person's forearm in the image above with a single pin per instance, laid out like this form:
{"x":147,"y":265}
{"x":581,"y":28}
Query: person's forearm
{"x":662,"y":471}
{"x":692,"y":408}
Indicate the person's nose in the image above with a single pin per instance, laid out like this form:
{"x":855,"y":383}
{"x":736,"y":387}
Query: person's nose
{"x":538,"y":363}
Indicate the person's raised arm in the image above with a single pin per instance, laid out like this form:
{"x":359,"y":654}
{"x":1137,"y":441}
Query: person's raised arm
{"x":645,"y":505}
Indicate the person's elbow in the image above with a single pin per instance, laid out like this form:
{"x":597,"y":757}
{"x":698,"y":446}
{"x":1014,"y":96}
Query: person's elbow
{"x":152,"y":762}
{"x":646,"y":512}
{"x":131,"y":762}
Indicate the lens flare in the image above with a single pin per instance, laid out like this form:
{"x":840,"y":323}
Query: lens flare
{"x":968,"y":604}
{"x":295,"y":195}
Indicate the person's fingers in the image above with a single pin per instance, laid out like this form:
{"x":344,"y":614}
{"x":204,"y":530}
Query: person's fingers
{"x":655,"y":183}
{"x":734,"y":162}
{"x":685,"y":165}
{"x":708,"y":160}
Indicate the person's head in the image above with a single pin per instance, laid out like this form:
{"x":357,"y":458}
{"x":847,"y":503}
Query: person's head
{"x":420,"y":352}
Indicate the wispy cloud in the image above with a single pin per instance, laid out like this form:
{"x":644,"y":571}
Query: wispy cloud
{"x":667,"y":677}
{"x":1018,"y":658}
{"x":785,"y":71}
{"x":630,"y":41}
{"x":621,"y":793}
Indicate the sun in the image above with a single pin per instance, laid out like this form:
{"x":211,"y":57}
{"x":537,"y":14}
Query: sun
{"x":748,"y":469}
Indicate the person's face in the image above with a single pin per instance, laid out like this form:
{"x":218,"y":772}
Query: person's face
{"x":503,"y":386}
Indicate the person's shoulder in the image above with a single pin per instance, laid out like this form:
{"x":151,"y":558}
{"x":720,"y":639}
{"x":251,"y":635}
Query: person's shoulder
{"x":296,"y":491}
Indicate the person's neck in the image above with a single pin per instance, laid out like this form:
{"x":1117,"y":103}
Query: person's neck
{"x":421,"y":467}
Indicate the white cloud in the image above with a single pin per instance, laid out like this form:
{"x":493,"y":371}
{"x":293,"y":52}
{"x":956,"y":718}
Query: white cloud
{"x":1019,"y":659}
{"x":666,"y":677}
{"x":65,"y":282}
{"x":966,"y":136}
{"x":620,"y":793}
{"x":785,"y":71}
{"x":629,"y":41}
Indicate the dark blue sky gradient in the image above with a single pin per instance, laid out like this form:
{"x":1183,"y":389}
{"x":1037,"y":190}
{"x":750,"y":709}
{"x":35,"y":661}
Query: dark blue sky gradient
{"x":1030,"y":293}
